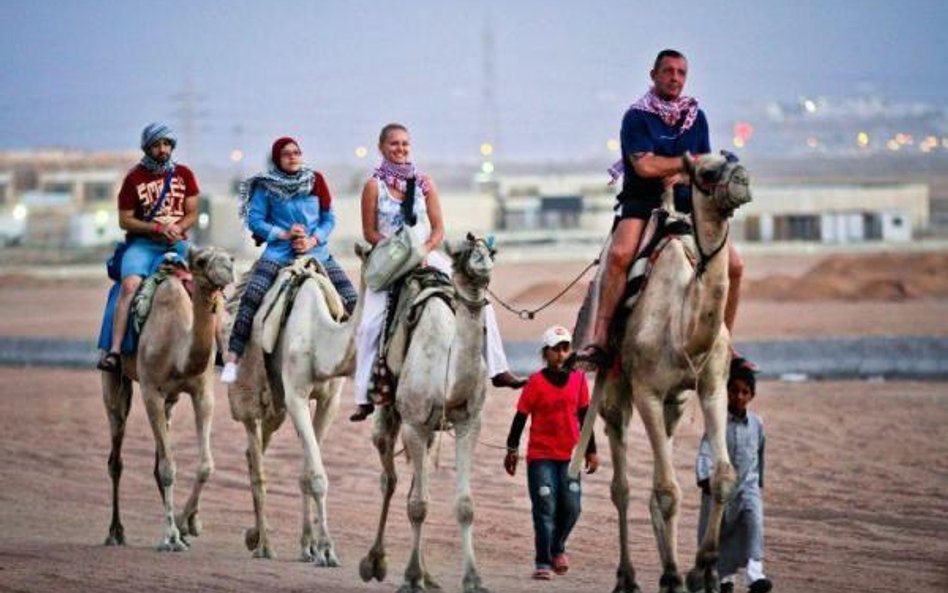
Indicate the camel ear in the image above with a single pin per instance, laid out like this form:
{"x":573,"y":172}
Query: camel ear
{"x":451,"y":247}
{"x":689,"y":162}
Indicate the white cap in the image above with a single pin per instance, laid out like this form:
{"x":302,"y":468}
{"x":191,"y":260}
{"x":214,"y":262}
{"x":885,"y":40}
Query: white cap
{"x":555,"y":335}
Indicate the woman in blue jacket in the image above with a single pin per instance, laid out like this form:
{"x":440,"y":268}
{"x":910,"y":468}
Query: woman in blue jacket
{"x":290,"y":208}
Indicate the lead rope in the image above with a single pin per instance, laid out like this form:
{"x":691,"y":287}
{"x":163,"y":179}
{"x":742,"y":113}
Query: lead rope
{"x":528,"y":314}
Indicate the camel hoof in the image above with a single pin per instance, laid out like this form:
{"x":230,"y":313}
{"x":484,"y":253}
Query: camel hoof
{"x":472,"y":584}
{"x":373,"y":566}
{"x":263,"y":553}
{"x":116,"y":537}
{"x":173,"y":545}
{"x":188,"y":524}
{"x":411,"y":588}
{"x":326,"y":557}
{"x":251,"y":538}
{"x":702,"y":580}
{"x":671,"y":583}
{"x":626,"y":584}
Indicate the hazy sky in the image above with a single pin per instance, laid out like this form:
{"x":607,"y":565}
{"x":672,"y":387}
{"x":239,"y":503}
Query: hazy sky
{"x":91,"y":73}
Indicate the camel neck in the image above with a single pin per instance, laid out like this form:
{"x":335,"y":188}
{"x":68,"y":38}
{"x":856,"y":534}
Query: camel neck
{"x":709,"y":285}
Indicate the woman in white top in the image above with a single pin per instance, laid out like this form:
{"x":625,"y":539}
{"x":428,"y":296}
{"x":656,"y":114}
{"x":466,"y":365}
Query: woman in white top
{"x":382,"y":215}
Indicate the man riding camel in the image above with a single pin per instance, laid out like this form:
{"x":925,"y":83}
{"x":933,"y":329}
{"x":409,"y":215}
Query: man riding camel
{"x":157,"y":205}
{"x":657,"y":130}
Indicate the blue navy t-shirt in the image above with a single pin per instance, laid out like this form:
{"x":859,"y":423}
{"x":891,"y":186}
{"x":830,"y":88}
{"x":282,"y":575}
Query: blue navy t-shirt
{"x":646,"y":132}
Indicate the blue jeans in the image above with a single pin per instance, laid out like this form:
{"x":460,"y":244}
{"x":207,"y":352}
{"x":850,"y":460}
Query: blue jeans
{"x":556,"y":507}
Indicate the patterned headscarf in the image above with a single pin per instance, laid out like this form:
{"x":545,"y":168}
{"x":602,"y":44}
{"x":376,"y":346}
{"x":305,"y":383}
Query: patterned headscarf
{"x":669,"y":111}
{"x":152,"y":133}
{"x":278,"y":182}
{"x":397,"y":176}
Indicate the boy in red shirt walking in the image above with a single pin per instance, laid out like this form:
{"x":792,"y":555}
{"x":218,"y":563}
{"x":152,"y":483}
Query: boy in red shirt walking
{"x":557,"y":401}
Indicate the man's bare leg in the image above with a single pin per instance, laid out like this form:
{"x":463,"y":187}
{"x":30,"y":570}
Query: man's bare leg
{"x":111,"y":361}
{"x":625,"y":242}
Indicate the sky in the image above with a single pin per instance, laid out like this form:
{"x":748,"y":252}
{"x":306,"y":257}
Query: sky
{"x":91,"y":73}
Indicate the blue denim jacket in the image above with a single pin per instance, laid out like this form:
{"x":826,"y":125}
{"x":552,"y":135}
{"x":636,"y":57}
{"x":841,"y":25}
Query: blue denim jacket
{"x":268,"y":216}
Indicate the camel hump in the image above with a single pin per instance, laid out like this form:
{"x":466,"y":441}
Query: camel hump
{"x":278,"y":302}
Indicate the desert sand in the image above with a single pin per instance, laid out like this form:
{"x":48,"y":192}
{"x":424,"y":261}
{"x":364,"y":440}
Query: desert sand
{"x":856,"y":484}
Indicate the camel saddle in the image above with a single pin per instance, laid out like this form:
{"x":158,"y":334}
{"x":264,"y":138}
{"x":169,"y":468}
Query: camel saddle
{"x":405,"y":303}
{"x":663,"y":227}
{"x":171,"y":265}
{"x":278,"y":302}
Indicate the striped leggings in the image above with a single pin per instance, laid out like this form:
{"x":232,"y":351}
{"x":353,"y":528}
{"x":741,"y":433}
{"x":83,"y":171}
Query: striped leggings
{"x":262,"y":277}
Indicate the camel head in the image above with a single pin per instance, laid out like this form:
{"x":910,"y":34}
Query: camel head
{"x":212,"y":265}
{"x":473,"y":258}
{"x":720,"y":179}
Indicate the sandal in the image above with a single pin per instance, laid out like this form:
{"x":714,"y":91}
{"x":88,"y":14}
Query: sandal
{"x":362,"y":412}
{"x":593,"y":355}
{"x":561,"y":563}
{"x":110,"y":363}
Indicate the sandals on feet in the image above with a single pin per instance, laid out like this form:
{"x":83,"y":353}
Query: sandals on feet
{"x":362,"y":412}
{"x":110,"y":363}
{"x":593,"y":355}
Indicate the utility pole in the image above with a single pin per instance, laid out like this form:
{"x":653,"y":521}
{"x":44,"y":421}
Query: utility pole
{"x":188,"y":114}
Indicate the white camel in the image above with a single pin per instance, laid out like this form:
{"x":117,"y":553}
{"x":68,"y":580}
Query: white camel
{"x":442,"y":383}
{"x":310,"y":358}
{"x":675,"y":342}
{"x":174,"y":356}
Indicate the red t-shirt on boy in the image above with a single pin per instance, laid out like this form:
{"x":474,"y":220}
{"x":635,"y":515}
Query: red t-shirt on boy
{"x":141,"y":189}
{"x":553,"y":411}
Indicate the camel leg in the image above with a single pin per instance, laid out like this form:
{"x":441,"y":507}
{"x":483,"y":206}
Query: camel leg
{"x":666,"y":493}
{"x":189,"y":521}
{"x":313,"y":481}
{"x":319,"y":547}
{"x":117,"y":396}
{"x":256,"y":539}
{"x":467,"y":434}
{"x":617,"y":423}
{"x":158,"y":418}
{"x":704,"y":577}
{"x":384,"y":436}
{"x":416,"y":443}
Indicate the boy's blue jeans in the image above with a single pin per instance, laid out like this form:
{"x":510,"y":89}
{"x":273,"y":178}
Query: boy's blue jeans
{"x":556,"y":507}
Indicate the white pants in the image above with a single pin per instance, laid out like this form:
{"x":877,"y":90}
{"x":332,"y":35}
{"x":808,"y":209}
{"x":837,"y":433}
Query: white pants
{"x":369,"y":334}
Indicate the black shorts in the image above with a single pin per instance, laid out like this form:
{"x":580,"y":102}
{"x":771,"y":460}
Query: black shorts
{"x":641,"y":207}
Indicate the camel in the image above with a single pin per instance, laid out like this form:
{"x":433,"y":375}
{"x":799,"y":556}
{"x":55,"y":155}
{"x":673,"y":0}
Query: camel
{"x":310,"y":357}
{"x":675,"y":342}
{"x":174,"y":355}
{"x":442,"y":382}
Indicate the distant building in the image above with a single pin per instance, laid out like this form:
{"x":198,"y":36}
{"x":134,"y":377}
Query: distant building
{"x":579,"y":208}
{"x":541,"y":208}
{"x":834,"y":213}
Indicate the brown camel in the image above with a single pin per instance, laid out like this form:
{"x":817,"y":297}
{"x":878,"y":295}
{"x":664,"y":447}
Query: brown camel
{"x":675,"y":342}
{"x":442,"y":383}
{"x":310,"y":358}
{"x":174,"y":356}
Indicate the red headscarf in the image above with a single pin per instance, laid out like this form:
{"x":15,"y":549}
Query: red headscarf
{"x":278,"y":145}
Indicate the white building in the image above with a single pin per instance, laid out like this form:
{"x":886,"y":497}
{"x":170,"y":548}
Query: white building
{"x":834,"y":213}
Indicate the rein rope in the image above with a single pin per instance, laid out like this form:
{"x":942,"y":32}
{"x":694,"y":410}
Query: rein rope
{"x":528,"y":314}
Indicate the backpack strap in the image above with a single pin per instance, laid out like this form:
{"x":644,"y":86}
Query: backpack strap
{"x":161,"y":197}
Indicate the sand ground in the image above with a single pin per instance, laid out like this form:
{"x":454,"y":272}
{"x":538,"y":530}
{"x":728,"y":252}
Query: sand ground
{"x":857,"y":472}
